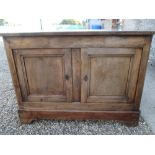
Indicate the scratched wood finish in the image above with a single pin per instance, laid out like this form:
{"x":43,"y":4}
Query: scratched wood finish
{"x":75,"y":42}
{"x":42,"y":74}
{"x":89,"y":75}
{"x":76,"y":68}
{"x":129,"y":118}
{"x":111,"y":74}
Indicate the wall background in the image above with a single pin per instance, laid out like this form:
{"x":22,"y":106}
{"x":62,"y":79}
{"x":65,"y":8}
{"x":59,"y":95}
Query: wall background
{"x":142,"y":24}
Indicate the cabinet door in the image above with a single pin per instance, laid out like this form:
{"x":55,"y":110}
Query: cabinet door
{"x":109,"y":74}
{"x":44,"y":74}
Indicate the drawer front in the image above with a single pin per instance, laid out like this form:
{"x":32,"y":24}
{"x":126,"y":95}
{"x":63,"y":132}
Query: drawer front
{"x":76,"y":42}
{"x":109,"y":74}
{"x":44,"y":74}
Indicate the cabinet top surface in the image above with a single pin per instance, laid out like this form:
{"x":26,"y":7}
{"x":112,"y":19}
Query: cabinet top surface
{"x":76,"y":33}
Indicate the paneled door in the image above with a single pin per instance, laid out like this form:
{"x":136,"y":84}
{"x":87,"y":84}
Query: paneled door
{"x":44,"y":74}
{"x":109,"y":74}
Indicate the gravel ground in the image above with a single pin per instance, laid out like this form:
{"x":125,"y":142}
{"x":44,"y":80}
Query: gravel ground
{"x":9,"y":121}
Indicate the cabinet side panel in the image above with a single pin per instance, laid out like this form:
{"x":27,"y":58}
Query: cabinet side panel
{"x":143,"y":66}
{"x":13,"y":71}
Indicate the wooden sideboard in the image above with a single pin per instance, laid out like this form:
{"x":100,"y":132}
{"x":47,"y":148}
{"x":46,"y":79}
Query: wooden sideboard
{"x":78,"y":75}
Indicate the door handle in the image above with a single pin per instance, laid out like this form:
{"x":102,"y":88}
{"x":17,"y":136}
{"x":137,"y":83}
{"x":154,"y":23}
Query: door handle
{"x":85,"y":77}
{"x":67,"y":77}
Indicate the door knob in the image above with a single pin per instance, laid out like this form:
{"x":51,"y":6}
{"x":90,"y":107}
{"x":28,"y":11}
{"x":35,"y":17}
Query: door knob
{"x":67,"y":77}
{"x":85,"y":77}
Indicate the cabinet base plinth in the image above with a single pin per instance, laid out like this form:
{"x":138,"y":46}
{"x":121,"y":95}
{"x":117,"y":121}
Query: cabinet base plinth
{"x":129,"y":118}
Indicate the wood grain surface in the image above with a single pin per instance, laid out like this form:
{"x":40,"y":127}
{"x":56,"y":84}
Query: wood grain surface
{"x":78,"y":75}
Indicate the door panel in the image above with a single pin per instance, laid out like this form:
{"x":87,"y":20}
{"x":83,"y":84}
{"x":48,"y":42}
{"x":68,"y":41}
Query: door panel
{"x":44,"y":74}
{"x":105,"y":73}
{"x":36,"y":67}
{"x":109,"y":74}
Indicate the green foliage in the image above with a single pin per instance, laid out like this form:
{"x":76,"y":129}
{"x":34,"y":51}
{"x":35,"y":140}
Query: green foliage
{"x":3,"y":22}
{"x":70,"y":22}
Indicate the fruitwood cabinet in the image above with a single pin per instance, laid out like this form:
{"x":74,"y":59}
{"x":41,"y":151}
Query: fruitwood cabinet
{"x":78,"y":75}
